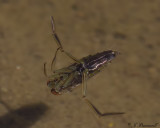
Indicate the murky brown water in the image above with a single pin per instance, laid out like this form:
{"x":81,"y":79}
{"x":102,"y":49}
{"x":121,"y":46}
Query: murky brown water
{"x":129,"y":84}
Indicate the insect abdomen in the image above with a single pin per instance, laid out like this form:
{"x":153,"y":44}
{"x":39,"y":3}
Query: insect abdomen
{"x":96,"y":61}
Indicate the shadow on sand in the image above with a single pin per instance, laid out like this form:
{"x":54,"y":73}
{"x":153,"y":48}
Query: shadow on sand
{"x":23,"y":117}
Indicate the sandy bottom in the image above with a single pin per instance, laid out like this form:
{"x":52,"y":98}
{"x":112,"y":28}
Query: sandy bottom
{"x":129,"y":84}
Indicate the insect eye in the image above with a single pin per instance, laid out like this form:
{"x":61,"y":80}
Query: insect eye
{"x":53,"y":91}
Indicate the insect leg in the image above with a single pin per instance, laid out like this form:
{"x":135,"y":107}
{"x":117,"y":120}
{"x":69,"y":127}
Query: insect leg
{"x":63,"y":70}
{"x":54,"y":33}
{"x":98,"y":113}
{"x":64,"y":83}
{"x":84,"y":89}
{"x":84,"y":83}
{"x":59,"y":43}
{"x":54,"y":60}
{"x":45,"y":72}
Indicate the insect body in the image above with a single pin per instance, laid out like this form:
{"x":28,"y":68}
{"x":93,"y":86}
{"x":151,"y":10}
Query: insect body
{"x":65,"y":79}
{"x":71,"y":76}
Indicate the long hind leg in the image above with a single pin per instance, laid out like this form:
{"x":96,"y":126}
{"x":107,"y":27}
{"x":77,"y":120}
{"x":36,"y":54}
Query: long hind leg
{"x":96,"y":111}
{"x":60,"y":47}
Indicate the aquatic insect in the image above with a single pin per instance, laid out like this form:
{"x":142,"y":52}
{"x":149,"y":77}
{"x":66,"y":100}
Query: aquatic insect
{"x":65,"y":79}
